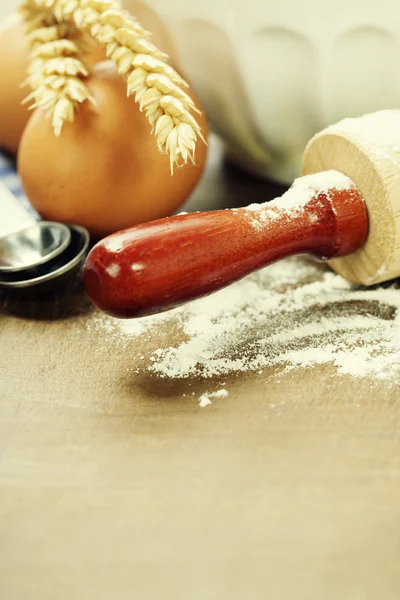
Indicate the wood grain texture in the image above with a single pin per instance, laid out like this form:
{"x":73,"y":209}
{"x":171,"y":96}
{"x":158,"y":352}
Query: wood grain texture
{"x":115,"y":486}
{"x":354,"y":147}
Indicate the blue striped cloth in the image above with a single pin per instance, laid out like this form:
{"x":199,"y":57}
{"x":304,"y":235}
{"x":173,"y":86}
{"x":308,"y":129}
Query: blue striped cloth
{"x":10,"y":178}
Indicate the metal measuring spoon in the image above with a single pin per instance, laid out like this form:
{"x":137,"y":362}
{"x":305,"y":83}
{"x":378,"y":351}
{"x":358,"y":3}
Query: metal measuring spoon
{"x":53,"y":256}
{"x":32,"y":246}
{"x":56,"y":272}
{"x":24,"y":242}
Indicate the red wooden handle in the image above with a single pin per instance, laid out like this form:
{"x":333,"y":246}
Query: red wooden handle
{"x":158,"y":265}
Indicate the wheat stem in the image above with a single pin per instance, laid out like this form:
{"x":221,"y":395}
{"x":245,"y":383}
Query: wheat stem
{"x":57,"y":73}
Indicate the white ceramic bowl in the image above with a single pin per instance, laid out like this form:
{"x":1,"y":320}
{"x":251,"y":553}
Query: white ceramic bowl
{"x":7,"y":6}
{"x":273,"y":73}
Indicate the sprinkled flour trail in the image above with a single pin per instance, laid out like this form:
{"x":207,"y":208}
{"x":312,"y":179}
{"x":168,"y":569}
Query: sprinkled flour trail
{"x":303,"y":190}
{"x":204,"y":400}
{"x":295,"y":314}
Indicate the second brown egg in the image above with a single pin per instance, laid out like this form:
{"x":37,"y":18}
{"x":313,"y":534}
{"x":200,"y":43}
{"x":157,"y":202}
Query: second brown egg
{"x":14,"y":61}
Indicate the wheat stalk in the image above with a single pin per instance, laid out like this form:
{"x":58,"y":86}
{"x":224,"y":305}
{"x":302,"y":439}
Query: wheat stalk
{"x":57,"y":72}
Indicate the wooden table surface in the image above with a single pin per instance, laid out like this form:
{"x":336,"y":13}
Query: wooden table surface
{"x":115,"y":486}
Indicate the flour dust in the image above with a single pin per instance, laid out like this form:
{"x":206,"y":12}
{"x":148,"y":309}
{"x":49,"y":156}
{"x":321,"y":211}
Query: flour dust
{"x":294,"y":315}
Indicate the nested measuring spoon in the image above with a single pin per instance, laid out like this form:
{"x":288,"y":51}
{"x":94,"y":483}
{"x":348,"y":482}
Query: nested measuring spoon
{"x":37,"y":255}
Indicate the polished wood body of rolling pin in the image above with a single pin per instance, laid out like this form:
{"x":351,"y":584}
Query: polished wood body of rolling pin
{"x":344,"y":209}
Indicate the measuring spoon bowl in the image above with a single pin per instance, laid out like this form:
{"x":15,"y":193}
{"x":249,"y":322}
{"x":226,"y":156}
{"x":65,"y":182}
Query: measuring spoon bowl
{"x":32,"y":246}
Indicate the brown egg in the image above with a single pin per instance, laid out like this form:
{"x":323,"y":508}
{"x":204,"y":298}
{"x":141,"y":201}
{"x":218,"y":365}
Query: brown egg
{"x":14,"y":60}
{"x":94,"y":53}
{"x":104,"y":171}
{"x":14,"y":51}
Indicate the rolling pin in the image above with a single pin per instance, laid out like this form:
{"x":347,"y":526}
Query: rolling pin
{"x":344,"y":209}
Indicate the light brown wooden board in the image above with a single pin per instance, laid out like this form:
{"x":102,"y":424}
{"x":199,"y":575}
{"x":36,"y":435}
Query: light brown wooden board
{"x":115,"y":486}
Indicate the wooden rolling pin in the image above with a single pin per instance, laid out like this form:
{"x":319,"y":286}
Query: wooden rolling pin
{"x":346,"y":209}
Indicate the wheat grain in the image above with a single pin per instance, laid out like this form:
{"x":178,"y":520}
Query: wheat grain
{"x":57,"y":72}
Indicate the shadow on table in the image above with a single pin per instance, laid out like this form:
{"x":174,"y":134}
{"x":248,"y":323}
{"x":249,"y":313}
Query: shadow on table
{"x":160,"y":389}
{"x":60,"y":304}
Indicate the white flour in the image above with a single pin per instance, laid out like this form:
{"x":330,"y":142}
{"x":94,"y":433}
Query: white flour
{"x":378,"y":133}
{"x":204,"y":400}
{"x":303,"y":190}
{"x":293,"y":315}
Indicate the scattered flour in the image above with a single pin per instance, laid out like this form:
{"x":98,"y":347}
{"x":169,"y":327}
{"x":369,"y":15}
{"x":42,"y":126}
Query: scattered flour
{"x":137,"y":267}
{"x":113,"y":270}
{"x":204,"y":400}
{"x":378,"y":133}
{"x":292,"y":315}
{"x":303,"y":190}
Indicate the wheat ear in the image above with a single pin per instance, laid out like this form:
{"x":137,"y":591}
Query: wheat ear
{"x":57,"y":72}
